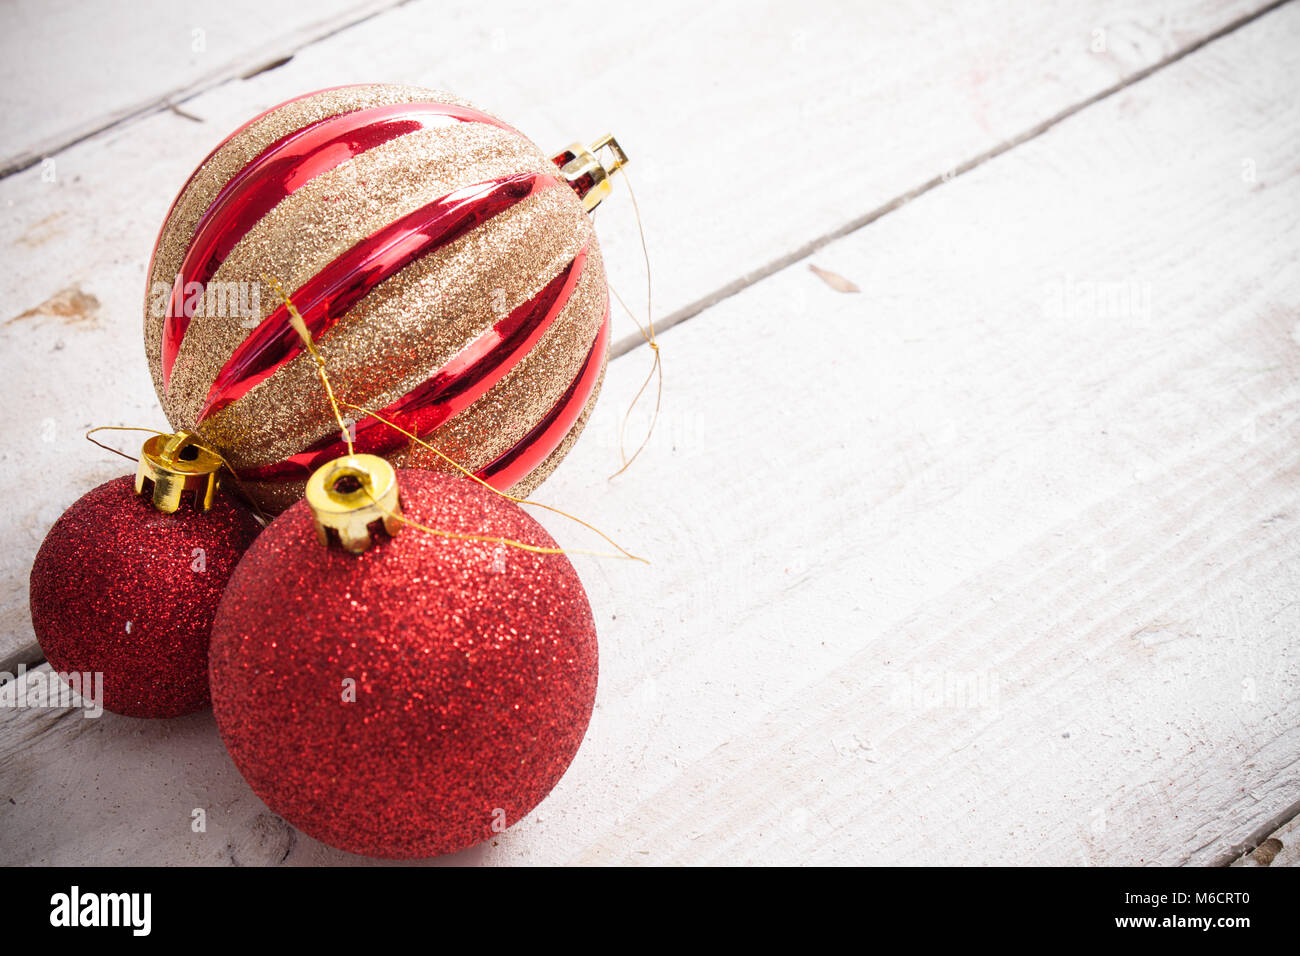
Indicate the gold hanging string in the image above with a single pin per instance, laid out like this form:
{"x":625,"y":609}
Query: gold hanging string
{"x":659,"y":394}
{"x":300,"y":326}
{"x":261,"y":515}
{"x":118,"y":428}
{"x":648,"y":333}
{"x":509,"y":497}
{"x":304,"y":333}
{"x":510,"y":542}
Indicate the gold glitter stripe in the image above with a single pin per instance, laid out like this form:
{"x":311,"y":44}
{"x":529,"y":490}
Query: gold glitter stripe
{"x":501,"y":418}
{"x":233,"y":155}
{"x":396,"y":337}
{"x":332,"y":213}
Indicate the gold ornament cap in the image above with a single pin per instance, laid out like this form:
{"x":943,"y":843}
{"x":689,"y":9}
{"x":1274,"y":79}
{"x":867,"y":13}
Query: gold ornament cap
{"x":349,"y":495}
{"x":173,"y":465}
{"x":583,"y":169}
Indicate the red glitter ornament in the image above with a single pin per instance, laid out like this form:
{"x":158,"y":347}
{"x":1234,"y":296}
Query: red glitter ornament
{"x":416,"y":698}
{"x":122,"y":588}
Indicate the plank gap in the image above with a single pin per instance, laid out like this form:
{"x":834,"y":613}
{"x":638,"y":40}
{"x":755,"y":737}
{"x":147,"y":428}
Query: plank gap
{"x":275,"y":64}
{"x":1258,"y":836}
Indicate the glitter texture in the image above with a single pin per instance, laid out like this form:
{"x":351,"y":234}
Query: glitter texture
{"x":120,"y":588}
{"x":412,"y":323}
{"x":474,"y":667}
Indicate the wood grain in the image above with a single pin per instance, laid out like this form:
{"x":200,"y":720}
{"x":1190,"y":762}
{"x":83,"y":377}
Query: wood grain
{"x":993,"y":562}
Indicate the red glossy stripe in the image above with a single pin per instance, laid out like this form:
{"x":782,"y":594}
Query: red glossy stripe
{"x":199,"y":168}
{"x":195,"y":175}
{"x":453,"y":388}
{"x":328,"y":295}
{"x":277,"y":172}
{"x":535,"y":447}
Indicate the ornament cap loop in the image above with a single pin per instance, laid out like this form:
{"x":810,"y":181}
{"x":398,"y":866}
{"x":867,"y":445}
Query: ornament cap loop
{"x":348,"y":495}
{"x":175,"y":464}
{"x":583,"y":169}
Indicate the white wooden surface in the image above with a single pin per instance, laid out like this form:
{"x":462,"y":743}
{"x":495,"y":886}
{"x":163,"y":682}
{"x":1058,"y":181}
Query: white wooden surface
{"x":71,"y":68}
{"x":1280,"y":848}
{"x":1078,"y":516}
{"x":747,"y":148}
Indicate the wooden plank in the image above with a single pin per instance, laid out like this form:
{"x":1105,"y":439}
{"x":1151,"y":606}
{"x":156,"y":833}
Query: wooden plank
{"x":992,"y":562}
{"x":1043,"y":557}
{"x":738,"y":162}
{"x":53,"y":89}
{"x":1279,"y":848}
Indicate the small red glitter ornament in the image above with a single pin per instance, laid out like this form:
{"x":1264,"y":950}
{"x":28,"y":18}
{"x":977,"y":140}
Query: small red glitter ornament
{"x":127,"y":587}
{"x":417,"y":695}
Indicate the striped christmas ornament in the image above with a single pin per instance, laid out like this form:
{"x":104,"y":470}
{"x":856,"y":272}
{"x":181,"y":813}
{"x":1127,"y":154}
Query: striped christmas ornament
{"x":446,"y":267}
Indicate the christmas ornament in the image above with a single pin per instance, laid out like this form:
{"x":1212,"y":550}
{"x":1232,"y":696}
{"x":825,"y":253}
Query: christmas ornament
{"x":402,"y":695}
{"x":445,"y":265}
{"x":127,"y":581}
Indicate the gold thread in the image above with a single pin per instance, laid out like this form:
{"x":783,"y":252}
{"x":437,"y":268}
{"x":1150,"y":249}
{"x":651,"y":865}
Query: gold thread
{"x":657,"y":365}
{"x":260,"y":514}
{"x":119,"y":428}
{"x":304,"y":333}
{"x":523,"y":546}
{"x":626,"y":555}
{"x":300,"y":326}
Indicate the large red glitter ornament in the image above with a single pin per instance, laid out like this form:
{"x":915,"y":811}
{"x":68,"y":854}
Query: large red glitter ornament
{"x":415,"y":698}
{"x":124,"y":588}
{"x":445,"y":264}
